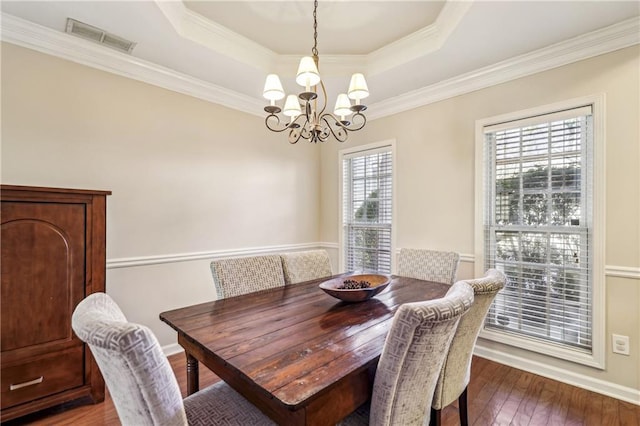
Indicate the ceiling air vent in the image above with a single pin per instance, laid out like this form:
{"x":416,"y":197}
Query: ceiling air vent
{"x":97,"y":35}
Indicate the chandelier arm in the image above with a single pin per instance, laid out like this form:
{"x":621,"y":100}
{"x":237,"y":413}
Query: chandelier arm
{"x":341,"y":135}
{"x":348,"y":127}
{"x":364,"y":121}
{"x":291,"y":125}
{"x":325,"y":117}
{"x":298,"y":131}
{"x":294,"y":135}
{"x":305,"y":132}
{"x":351,"y":127}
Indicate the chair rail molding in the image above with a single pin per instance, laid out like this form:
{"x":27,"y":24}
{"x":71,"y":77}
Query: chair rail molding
{"x":622,"y":272}
{"x":327,"y":245}
{"x":629,"y":272}
{"x":128,"y":262}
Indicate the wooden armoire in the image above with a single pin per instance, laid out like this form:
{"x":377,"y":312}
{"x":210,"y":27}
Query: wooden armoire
{"x":53,"y":255}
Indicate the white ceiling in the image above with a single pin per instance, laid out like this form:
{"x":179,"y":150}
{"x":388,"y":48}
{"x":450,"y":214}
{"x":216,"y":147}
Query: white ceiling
{"x":402,"y":47}
{"x":344,"y":28}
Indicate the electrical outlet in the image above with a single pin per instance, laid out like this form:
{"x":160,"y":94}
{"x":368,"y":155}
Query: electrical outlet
{"x":620,"y":344}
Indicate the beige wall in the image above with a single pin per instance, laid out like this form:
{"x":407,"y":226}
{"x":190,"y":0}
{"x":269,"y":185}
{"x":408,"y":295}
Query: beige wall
{"x":187,"y":175}
{"x":435,"y":182}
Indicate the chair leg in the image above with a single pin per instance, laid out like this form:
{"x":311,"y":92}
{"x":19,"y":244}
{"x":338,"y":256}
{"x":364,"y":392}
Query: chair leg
{"x":462,"y":408}
{"x":436,"y":419}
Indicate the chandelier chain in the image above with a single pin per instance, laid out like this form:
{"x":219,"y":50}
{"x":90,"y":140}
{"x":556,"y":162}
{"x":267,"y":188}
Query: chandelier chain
{"x":315,"y":29}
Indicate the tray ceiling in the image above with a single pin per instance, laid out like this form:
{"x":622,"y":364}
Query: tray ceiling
{"x":402,"y":47}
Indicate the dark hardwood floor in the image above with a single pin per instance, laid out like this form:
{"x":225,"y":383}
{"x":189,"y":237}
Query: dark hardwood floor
{"x":498,"y":395}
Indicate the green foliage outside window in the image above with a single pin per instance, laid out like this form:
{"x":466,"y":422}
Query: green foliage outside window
{"x":366,"y":241}
{"x":544,"y":263}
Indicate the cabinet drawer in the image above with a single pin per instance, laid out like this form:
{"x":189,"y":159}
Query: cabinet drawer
{"x":41,"y":377}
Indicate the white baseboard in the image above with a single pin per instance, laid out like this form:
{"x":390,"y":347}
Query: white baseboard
{"x":585,"y":382}
{"x":172,"y":349}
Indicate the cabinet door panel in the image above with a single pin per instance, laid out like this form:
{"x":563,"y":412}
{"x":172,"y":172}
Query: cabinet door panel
{"x":43,"y":271}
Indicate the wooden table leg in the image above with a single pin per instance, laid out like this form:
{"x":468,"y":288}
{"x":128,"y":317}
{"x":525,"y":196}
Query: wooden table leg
{"x":193,"y":377}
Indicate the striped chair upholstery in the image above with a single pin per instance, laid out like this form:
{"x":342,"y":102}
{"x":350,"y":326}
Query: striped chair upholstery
{"x":140,"y":380}
{"x":456,"y":371}
{"x":305,"y":265}
{"x":430,"y":265}
{"x":242,"y":275}
{"x":412,"y":359}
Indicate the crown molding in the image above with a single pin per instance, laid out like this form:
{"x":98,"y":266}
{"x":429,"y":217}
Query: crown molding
{"x":55,"y":43}
{"x":218,"y":38}
{"x":62,"y":45}
{"x":599,"y":42}
{"x":419,"y":43}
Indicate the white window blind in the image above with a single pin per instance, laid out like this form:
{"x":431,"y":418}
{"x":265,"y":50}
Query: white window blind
{"x":538,"y":226}
{"x":367,"y":210}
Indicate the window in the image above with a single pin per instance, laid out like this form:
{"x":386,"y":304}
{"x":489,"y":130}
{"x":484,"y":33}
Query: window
{"x":367,"y":208}
{"x":538,"y":228}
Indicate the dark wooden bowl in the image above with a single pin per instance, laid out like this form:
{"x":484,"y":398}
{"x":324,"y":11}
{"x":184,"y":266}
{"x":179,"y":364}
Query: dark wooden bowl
{"x":378,"y":283}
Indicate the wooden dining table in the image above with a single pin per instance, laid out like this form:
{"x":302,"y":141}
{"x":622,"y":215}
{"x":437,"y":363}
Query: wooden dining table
{"x":300,"y":355}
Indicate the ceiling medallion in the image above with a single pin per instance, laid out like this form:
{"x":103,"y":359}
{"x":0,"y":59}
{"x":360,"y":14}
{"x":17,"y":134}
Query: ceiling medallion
{"x":309,"y":123}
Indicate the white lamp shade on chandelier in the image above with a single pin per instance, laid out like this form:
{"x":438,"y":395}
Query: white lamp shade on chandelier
{"x":273,"y":90}
{"x":308,"y":74}
{"x":343,"y":106}
{"x":358,"y":88}
{"x":292,"y":107}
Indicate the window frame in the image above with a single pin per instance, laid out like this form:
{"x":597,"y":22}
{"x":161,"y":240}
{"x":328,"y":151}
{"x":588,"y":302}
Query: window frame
{"x":371,"y":148}
{"x":596,"y":358}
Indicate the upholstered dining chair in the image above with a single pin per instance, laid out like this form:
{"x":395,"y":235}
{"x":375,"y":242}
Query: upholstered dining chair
{"x":411,"y":360}
{"x":241,"y":275}
{"x":140,"y":380}
{"x":305,"y":265}
{"x":429,"y":265}
{"x":456,"y":370}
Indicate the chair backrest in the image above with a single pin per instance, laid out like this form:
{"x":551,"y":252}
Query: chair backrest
{"x":412,"y":357}
{"x":456,"y":370}
{"x":305,"y":265}
{"x":430,"y":265}
{"x":242,"y":275}
{"x":140,"y":380}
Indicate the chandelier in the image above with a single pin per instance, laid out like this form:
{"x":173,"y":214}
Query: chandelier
{"x":309,"y":123}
